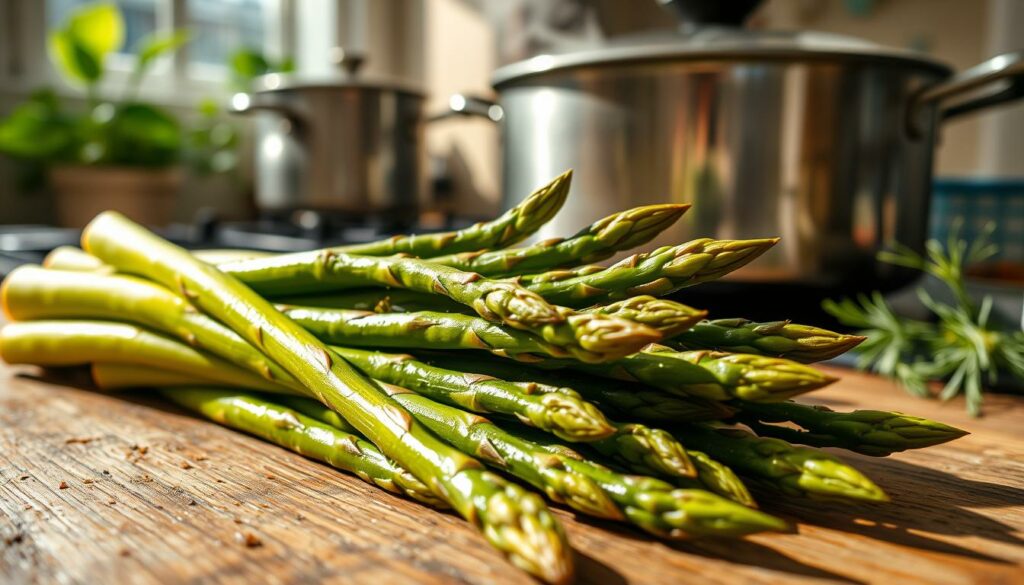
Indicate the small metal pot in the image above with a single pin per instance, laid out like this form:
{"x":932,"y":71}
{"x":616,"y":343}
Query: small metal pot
{"x":341,"y":144}
{"x":824,"y":141}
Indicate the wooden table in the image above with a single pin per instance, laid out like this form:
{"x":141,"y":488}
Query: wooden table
{"x":102,"y":489}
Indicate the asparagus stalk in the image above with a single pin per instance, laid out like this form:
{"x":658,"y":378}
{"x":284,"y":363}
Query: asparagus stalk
{"x":797,"y":471}
{"x":34,"y":293}
{"x":712,"y":476}
{"x":651,"y":504}
{"x":512,"y":520}
{"x":563,"y":414}
{"x":623,"y":399}
{"x":72,"y":258}
{"x":870,"y":432}
{"x":712,"y":375}
{"x":513,"y":226}
{"x":802,"y":343}
{"x":496,"y":301}
{"x":656,"y":273}
{"x":297,"y":432}
{"x":600,"y":240}
{"x":667,"y":317}
{"x":441,"y":331}
{"x":31,"y":293}
{"x":75,"y":343}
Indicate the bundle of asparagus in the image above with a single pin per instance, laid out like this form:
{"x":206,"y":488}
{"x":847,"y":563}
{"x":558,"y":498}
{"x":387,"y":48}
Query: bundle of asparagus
{"x":596,"y":392}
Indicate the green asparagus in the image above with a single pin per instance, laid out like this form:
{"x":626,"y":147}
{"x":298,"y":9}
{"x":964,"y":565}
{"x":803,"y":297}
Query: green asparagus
{"x":707,"y":374}
{"x":35,"y":293}
{"x":495,"y":301}
{"x":617,"y":232}
{"x":870,"y":432}
{"x":443,"y":331}
{"x":512,"y":520}
{"x":802,"y":343}
{"x":304,"y":435}
{"x":75,"y":343}
{"x":30,"y":293}
{"x":776,"y":464}
{"x":623,"y":399}
{"x":563,"y":414}
{"x":667,"y":317}
{"x":514,"y":226}
{"x":656,"y":273}
{"x":711,"y":475}
{"x":651,"y":504}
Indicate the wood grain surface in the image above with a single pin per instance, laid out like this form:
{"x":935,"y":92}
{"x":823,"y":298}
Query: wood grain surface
{"x":107,"y":489}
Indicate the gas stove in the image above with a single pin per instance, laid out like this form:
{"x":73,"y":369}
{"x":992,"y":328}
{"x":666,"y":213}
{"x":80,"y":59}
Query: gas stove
{"x":295,"y":232}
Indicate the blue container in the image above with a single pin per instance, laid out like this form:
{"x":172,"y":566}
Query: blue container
{"x":978,"y":202}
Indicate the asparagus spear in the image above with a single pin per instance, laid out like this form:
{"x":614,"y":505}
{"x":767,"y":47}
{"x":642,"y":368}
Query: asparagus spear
{"x":667,"y":317}
{"x":656,"y":273}
{"x":798,"y":471}
{"x":651,"y":504}
{"x":708,"y":374}
{"x":72,"y":258}
{"x":496,"y":301}
{"x":512,"y":227}
{"x":75,"y":343}
{"x":563,"y":414}
{"x":34,"y":293}
{"x":623,"y":399}
{"x":870,"y":432}
{"x":600,"y":240}
{"x":712,"y":476}
{"x":297,"y":432}
{"x":31,"y":293}
{"x":442,"y":331}
{"x":802,"y":343}
{"x":512,"y":520}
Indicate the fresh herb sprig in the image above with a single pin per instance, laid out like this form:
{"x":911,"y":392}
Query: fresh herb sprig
{"x":963,"y":346}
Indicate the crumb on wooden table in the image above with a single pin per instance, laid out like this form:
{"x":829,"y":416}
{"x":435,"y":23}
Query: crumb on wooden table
{"x":79,"y":440}
{"x":249,"y":539}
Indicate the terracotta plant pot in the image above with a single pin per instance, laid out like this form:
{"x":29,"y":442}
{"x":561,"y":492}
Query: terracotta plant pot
{"x":145,"y":195}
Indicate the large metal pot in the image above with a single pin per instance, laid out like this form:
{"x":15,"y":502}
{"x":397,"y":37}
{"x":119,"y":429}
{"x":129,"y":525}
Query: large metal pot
{"x":824,"y":141}
{"x":343,"y":143}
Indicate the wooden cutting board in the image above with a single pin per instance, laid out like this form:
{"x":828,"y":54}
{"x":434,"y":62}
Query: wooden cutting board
{"x":102,"y":489}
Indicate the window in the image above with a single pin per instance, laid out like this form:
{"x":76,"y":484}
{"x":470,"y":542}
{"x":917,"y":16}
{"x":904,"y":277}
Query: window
{"x":217,"y":29}
{"x":221,"y":27}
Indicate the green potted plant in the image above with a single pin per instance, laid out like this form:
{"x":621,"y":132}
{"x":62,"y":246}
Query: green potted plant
{"x":119,"y":152}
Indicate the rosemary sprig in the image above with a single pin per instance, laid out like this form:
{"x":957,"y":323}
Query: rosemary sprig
{"x":961,"y":347}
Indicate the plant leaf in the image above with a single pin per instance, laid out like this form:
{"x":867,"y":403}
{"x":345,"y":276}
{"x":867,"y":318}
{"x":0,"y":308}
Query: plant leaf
{"x":155,"y":45}
{"x":73,"y":59}
{"x":98,"y":27}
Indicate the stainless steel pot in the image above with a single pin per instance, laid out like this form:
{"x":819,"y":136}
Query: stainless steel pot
{"x":824,"y":141}
{"x":343,"y":143}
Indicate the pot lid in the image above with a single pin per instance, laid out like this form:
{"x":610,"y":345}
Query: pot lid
{"x":346,"y":75}
{"x":721,"y":43}
{"x":287,"y":81}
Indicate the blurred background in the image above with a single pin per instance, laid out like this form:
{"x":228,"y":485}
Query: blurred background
{"x":285,"y":124}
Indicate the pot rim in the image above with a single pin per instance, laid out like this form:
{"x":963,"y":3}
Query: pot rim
{"x":674,"y":52}
{"x":275,"y":82}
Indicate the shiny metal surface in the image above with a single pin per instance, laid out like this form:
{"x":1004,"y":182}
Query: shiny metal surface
{"x":348,"y":147}
{"x":814,"y":150}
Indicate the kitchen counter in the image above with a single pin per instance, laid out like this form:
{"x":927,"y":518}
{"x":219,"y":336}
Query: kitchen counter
{"x":97,"y":488}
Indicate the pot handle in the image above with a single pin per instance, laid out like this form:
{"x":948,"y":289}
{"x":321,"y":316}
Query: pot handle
{"x":462,"y":105}
{"x":243,"y":103}
{"x":1005,"y":71}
